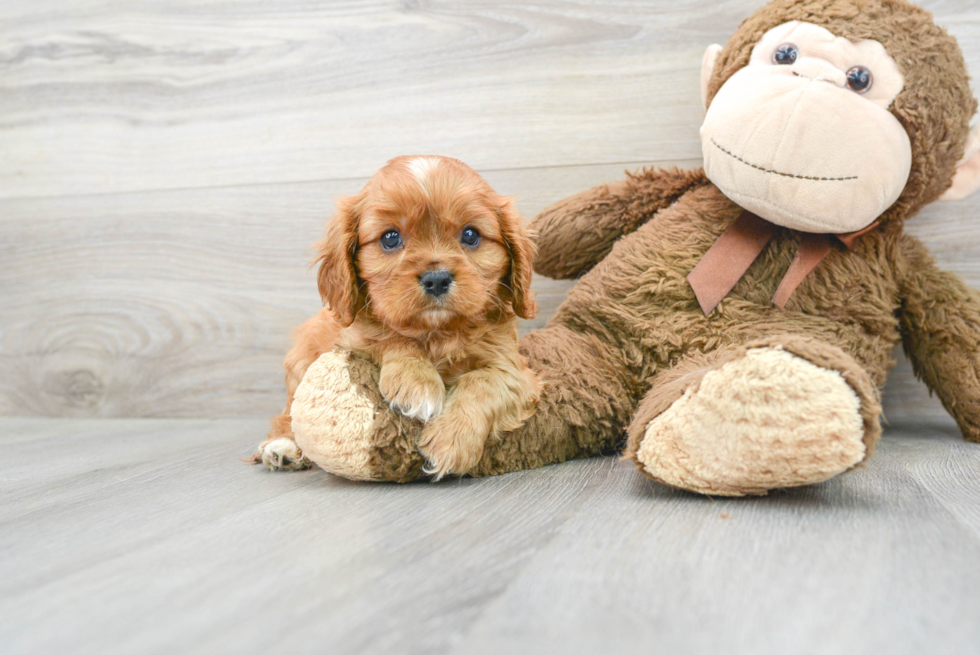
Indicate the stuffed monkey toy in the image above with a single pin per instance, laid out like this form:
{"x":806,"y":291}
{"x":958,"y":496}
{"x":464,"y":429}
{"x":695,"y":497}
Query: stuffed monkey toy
{"x":736,"y":323}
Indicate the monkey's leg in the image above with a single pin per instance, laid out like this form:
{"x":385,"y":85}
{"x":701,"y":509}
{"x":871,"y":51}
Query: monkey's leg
{"x":778,"y":412}
{"x":343,"y":424}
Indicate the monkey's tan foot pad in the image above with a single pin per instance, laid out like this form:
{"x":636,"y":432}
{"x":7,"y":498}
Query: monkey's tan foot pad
{"x":766,"y":420}
{"x":342,"y":423}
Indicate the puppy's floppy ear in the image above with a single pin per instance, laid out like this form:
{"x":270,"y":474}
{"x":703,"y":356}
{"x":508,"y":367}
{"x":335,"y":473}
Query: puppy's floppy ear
{"x":520,"y":245}
{"x":337,"y":275}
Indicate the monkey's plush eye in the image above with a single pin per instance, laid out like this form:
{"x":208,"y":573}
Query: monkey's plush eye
{"x":786,"y":54}
{"x":469,"y":237}
{"x":859,"y":79}
{"x":391,"y":240}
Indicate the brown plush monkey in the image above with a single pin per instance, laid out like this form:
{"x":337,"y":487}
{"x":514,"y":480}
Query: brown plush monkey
{"x":737,"y":322}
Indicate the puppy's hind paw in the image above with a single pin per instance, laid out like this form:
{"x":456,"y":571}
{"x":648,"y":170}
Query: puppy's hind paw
{"x":281,"y":454}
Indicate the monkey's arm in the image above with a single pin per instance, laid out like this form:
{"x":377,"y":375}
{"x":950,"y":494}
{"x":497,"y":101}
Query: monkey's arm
{"x":941,"y":335}
{"x":574,"y":234}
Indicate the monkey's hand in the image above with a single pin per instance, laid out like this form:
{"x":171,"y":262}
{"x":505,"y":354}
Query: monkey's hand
{"x":941,"y":335}
{"x":576,"y":233}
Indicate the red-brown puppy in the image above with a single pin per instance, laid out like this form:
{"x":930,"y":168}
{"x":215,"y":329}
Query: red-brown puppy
{"x":426,"y":270}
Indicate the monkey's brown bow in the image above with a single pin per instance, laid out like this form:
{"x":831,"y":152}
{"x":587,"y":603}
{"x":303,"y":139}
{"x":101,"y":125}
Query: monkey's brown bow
{"x":731,"y":255}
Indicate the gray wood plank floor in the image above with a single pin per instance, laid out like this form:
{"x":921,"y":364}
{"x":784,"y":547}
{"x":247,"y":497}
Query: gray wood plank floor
{"x":149,"y":536}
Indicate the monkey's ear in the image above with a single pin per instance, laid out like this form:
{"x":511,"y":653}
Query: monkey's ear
{"x":337,"y":277}
{"x":707,"y":68}
{"x":521,"y":247}
{"x":966,"y":180}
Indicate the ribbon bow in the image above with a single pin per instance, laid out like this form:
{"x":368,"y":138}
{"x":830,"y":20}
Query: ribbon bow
{"x":731,"y":255}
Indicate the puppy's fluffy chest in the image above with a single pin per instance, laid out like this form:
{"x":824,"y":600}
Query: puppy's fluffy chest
{"x":453,"y":358}
{"x":453,"y":350}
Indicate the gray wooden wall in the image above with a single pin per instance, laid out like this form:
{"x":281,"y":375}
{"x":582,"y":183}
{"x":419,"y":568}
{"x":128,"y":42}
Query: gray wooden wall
{"x":165,"y":165}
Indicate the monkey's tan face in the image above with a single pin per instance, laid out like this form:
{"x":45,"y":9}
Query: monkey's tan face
{"x":802,"y":135}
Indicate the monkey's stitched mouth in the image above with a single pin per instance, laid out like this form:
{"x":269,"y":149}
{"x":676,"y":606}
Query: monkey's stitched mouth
{"x":769,"y":170}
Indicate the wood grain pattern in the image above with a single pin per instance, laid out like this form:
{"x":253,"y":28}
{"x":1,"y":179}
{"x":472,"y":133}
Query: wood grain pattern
{"x":164,"y":169}
{"x":192,"y":94}
{"x":199,"y":93}
{"x":123,"y":536}
{"x":180,"y":303}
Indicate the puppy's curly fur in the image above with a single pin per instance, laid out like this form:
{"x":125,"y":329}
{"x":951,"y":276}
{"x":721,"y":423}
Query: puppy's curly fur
{"x":447,"y":356}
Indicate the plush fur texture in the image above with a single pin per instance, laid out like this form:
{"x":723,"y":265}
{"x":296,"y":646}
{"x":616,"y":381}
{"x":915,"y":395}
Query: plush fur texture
{"x":783,"y":422}
{"x":448,"y":359}
{"x":781,"y":411}
{"x":344,"y":423}
{"x":630,"y":340}
{"x":332,"y":420}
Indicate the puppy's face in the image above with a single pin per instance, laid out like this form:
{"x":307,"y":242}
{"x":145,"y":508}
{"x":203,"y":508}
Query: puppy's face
{"x":427,"y":242}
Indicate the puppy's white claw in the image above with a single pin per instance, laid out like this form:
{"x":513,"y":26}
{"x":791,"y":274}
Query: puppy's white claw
{"x":413,"y":388}
{"x":282,"y":455}
{"x":428,"y":410}
{"x":424,"y":411}
{"x":435,"y":470}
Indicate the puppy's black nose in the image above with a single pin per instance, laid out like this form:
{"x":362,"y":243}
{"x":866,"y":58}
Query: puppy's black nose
{"x":436,"y":283}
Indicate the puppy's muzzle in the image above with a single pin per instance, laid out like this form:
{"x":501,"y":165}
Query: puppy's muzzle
{"x":436,"y":283}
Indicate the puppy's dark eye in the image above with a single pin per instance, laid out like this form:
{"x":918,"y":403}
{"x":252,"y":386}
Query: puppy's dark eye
{"x":470,"y":237}
{"x":859,"y":79}
{"x":391,"y":240}
{"x":786,"y":54}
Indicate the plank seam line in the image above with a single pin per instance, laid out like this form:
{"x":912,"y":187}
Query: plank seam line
{"x":131,"y":192}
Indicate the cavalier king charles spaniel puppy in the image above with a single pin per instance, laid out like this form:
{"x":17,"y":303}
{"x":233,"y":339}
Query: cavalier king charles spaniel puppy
{"x":426,"y":270}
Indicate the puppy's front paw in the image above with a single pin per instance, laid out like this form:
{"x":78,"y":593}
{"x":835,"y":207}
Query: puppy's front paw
{"x":281,"y":454}
{"x":413,"y":387}
{"x":453,"y":443}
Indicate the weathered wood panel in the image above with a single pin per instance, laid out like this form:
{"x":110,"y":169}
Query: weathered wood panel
{"x":180,"y":303}
{"x":195,"y":93}
{"x":230,"y":125}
